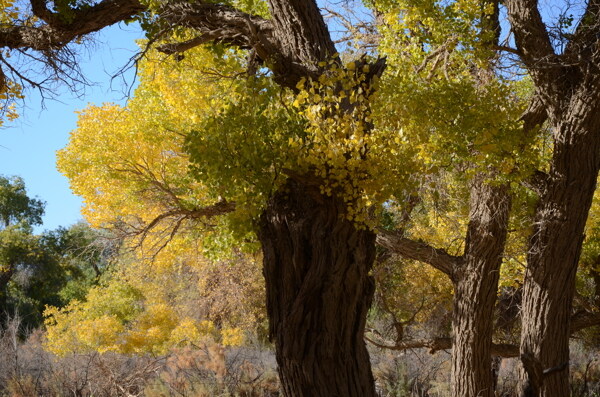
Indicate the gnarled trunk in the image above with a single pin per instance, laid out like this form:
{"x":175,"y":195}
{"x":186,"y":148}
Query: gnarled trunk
{"x":316,"y":267}
{"x":475,"y":289}
{"x":555,"y":246}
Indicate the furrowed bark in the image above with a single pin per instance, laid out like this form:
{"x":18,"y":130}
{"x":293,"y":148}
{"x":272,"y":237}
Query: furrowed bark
{"x":303,"y":34}
{"x":568,"y":85}
{"x":316,"y":267}
{"x":475,"y":289}
{"x":291,"y":44}
{"x":316,"y":263}
{"x":555,"y":244}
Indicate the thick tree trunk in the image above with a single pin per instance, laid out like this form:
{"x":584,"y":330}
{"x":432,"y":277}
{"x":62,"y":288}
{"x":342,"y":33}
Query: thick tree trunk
{"x":555,"y":246}
{"x":316,"y":267}
{"x":475,"y":289}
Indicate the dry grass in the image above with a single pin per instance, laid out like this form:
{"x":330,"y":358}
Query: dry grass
{"x":209,"y":370}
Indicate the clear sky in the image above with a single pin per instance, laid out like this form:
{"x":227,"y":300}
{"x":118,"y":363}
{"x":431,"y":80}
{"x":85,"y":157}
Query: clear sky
{"x":28,"y":146}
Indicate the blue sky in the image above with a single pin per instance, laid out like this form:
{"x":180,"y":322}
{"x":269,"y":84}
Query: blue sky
{"x":28,"y":146}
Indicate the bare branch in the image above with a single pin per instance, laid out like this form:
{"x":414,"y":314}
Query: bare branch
{"x":171,"y":221}
{"x":505,"y":350}
{"x":535,"y":48}
{"x":584,"y":319}
{"x":54,"y":35}
{"x":587,"y":34}
{"x":433,"y":345}
{"x":438,"y":258}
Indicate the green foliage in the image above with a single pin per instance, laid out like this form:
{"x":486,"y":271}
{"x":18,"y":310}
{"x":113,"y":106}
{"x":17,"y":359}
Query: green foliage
{"x":65,"y":8}
{"x":39,"y":270}
{"x":16,"y":206}
{"x":242,"y":150}
{"x":47,"y":269}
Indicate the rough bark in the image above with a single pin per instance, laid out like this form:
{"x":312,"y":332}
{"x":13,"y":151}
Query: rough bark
{"x":568,"y":85}
{"x":556,"y":241}
{"x":475,"y":276}
{"x":291,"y":44}
{"x":316,"y":267}
{"x":475,"y":289}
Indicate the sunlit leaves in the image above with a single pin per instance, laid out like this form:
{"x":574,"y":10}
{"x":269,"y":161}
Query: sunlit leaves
{"x":176,"y":299}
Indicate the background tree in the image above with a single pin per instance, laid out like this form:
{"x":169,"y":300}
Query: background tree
{"x":46,"y":269}
{"x":16,"y":206}
{"x":19,"y":213}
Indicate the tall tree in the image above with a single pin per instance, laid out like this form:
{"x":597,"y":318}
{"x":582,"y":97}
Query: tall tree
{"x":35,"y":269}
{"x":567,"y":84}
{"x":297,"y":47}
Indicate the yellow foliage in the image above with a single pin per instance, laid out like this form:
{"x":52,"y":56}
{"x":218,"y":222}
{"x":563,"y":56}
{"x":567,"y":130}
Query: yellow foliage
{"x":102,"y":333}
{"x":232,"y":337}
{"x":171,"y":301}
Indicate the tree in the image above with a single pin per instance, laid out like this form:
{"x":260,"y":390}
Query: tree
{"x":304,"y":227}
{"x":234,"y":154}
{"x":567,"y":86}
{"x":39,"y":270}
{"x":18,"y":213}
{"x":546,"y":277}
{"x":16,"y":206}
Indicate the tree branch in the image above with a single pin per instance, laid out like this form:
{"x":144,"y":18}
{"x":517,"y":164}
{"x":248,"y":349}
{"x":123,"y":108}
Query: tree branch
{"x":535,"y":115}
{"x":420,"y":251}
{"x":580,"y":320}
{"x":505,"y":350}
{"x":534,"y":46}
{"x":221,"y":23}
{"x":587,"y":34}
{"x":531,"y":36}
{"x":227,"y":25}
{"x":434,"y":344}
{"x":56,"y":34}
{"x":584,"y":319}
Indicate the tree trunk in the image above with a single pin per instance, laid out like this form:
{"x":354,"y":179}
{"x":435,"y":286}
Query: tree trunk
{"x":475,"y":288}
{"x":555,"y":245}
{"x":316,"y":267}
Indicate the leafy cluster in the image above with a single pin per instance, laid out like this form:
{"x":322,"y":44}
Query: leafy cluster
{"x":175,"y":299}
{"x":363,"y":165}
{"x":441,"y":93}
